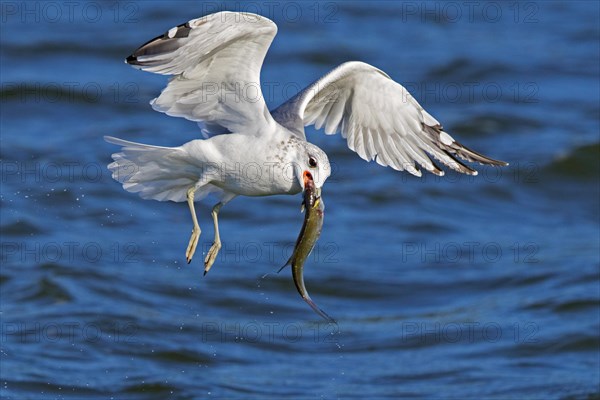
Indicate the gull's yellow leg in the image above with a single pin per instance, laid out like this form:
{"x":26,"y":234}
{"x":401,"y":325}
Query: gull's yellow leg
{"x":214,"y":249}
{"x":191,"y":249}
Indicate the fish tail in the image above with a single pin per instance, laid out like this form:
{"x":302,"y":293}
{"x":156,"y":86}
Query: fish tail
{"x":299,"y":282}
{"x":316,"y":308}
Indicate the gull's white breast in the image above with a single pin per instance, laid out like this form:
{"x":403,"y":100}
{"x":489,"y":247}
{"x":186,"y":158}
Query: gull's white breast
{"x":245,"y":165}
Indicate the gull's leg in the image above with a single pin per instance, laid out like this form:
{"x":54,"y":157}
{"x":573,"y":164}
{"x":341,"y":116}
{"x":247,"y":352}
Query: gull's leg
{"x":214,"y":249}
{"x":191,"y":249}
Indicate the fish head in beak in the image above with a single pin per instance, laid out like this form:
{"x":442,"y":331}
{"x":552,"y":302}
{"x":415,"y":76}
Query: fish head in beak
{"x":311,"y":192}
{"x":307,"y":180}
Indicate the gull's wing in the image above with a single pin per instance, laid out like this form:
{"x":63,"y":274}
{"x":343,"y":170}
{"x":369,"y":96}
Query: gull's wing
{"x":379,"y":119}
{"x":216,"y":62}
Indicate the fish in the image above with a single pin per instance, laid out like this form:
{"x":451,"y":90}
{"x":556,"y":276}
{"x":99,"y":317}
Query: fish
{"x":314,"y":208}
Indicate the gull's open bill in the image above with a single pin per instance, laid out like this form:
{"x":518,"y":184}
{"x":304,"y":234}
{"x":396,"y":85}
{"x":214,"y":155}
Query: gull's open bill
{"x":314,"y":206}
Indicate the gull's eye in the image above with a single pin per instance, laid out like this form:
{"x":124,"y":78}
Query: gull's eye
{"x":312,"y":162}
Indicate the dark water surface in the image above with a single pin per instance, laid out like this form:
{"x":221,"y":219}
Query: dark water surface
{"x":453,"y":287}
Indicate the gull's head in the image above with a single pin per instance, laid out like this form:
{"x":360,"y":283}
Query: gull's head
{"x":312,"y":164}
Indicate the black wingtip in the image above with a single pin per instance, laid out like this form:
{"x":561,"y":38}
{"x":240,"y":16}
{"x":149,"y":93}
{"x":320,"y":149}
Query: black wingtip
{"x":132,"y":60}
{"x":471,"y":155}
{"x":160,"y":44}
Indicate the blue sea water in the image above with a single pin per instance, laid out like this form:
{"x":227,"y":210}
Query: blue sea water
{"x":455,"y":287}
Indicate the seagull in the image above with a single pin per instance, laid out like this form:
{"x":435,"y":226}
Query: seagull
{"x":246,"y":150}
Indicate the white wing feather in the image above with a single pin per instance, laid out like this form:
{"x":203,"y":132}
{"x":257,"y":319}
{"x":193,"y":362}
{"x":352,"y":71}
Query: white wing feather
{"x":379,"y":119}
{"x":216,"y":62}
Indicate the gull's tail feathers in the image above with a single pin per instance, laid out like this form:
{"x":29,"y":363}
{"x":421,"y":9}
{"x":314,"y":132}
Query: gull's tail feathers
{"x":155,"y":172}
